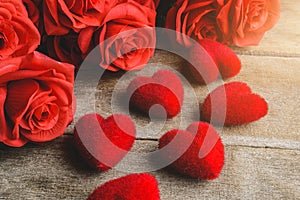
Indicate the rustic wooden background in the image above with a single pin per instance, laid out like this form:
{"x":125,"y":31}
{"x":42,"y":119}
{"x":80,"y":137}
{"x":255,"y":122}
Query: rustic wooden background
{"x":262,"y":158}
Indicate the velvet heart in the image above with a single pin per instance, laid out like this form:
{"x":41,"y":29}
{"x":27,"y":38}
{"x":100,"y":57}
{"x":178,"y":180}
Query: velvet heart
{"x":163,"y":88}
{"x":130,"y":187}
{"x":203,"y":68}
{"x":225,"y":58}
{"x":104,"y":142}
{"x":233,"y":104}
{"x":203,"y":159}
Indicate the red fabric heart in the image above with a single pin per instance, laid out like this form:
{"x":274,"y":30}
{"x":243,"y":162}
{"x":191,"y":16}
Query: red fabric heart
{"x":104,"y":142}
{"x":163,"y":88}
{"x":227,"y":61}
{"x":130,"y":187}
{"x":203,"y":159}
{"x":233,"y":104}
{"x":204,"y":69}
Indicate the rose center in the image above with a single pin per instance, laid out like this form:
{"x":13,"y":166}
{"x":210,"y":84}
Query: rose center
{"x":256,"y":15}
{"x":41,"y":114}
{"x":128,"y":49}
{"x":2,"y":41}
{"x":208,"y":32}
{"x":44,"y":115}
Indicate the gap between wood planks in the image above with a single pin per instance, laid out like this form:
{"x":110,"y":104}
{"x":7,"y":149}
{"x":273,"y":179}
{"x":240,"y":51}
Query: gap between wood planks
{"x":244,"y":141}
{"x":241,"y":52}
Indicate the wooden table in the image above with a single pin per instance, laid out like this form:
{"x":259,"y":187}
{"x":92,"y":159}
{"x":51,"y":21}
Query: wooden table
{"x":262,"y":158}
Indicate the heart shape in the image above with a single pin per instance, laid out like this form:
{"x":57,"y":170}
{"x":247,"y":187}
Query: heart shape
{"x":202,"y":159}
{"x":203,"y":69}
{"x":228,"y":62}
{"x":163,"y":88}
{"x":233,"y":104}
{"x":130,"y":187}
{"x":104,"y":142}
{"x":219,"y":59}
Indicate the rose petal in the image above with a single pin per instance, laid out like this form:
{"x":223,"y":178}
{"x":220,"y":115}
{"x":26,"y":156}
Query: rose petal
{"x":19,"y":97}
{"x":3,"y":122}
{"x":5,"y":125}
{"x":47,"y":135}
{"x":21,"y":141}
{"x":48,"y":121}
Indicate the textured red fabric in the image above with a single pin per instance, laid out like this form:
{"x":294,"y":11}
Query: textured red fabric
{"x":206,"y":167}
{"x":163,"y":88}
{"x":130,"y":187}
{"x":233,"y":104}
{"x":104,"y":142}
{"x":204,"y":69}
{"x":227,"y":61}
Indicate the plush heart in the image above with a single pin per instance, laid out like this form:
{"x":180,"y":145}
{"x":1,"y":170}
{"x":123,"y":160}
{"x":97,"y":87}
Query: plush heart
{"x":233,"y":104}
{"x":227,"y":61}
{"x":202,"y":159}
{"x":203,"y":69}
{"x":104,"y":142}
{"x":130,"y":187}
{"x":163,"y":88}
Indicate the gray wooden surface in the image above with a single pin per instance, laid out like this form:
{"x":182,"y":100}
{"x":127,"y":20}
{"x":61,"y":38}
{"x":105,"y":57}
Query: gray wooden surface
{"x":54,"y":171}
{"x":262,"y":158}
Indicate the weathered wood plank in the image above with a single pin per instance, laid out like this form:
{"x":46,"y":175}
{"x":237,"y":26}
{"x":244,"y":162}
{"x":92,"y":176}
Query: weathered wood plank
{"x":54,"y":171}
{"x":284,"y":38}
{"x":276,"y":79}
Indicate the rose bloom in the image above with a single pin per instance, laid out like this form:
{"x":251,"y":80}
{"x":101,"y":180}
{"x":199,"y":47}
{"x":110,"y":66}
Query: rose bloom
{"x":244,"y":22}
{"x":194,"y":18}
{"x":36,"y":99}
{"x":60,"y":16}
{"x":239,"y":22}
{"x":18,"y":35}
{"x":126,"y":35}
{"x":65,"y":48}
{"x":71,"y":48}
{"x":32,"y":8}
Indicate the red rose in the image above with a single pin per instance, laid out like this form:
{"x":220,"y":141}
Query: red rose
{"x":36,"y":96}
{"x":149,"y":3}
{"x":244,"y":23}
{"x":71,"y":48}
{"x":195,"y":18}
{"x":236,"y":22}
{"x":18,"y":35}
{"x":33,"y":11}
{"x":127,"y":16}
{"x":60,"y":16}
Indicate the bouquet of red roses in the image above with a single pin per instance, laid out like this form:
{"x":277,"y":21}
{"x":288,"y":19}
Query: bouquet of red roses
{"x":43,"y":42}
{"x":36,"y":92}
{"x":237,"y":22}
{"x":71,"y":29}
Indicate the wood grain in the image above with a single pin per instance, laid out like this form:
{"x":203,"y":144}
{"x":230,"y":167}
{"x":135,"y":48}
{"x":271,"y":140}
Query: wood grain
{"x":277,"y":79}
{"x":54,"y":171}
{"x":262,"y":158}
